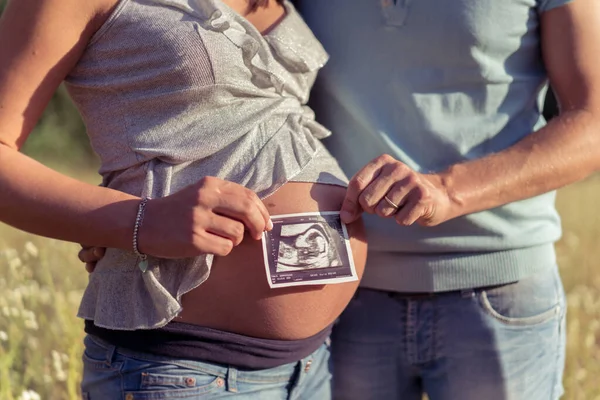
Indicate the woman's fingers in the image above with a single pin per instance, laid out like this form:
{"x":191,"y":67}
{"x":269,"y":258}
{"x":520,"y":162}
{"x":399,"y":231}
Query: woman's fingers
{"x":226,"y":228}
{"x":209,"y":217}
{"x":234,"y":201}
{"x":213,"y":244}
{"x":247,"y":208}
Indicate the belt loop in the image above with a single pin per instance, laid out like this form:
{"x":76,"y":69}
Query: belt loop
{"x":232,"y":379}
{"x":110,"y":354}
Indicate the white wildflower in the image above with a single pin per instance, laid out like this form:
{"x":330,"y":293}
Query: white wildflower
{"x":57,"y":363}
{"x":590,"y":341}
{"x":10,"y":253}
{"x":29,"y":395}
{"x":15,"y":263}
{"x":31,"y":249}
{"x":30,"y":320}
{"x":44,"y":296}
{"x":3,"y":336}
{"x":17,"y":295}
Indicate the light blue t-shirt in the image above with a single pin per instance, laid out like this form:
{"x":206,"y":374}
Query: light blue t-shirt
{"x":433,"y":83}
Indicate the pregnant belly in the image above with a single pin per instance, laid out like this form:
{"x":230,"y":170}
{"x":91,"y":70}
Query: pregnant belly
{"x":237,"y":297}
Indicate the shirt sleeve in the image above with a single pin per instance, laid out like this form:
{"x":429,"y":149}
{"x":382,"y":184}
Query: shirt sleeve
{"x":546,"y":5}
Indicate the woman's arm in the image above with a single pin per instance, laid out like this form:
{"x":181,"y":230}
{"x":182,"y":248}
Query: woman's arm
{"x":40,"y":41}
{"x":566,"y":150}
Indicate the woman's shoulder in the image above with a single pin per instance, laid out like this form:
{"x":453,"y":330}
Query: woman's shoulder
{"x":40,"y":42}
{"x":102,"y":10}
{"x":69,"y":17}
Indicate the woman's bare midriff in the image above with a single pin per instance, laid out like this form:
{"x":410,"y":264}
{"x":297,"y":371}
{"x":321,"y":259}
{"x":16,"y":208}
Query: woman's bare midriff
{"x":237,"y":297}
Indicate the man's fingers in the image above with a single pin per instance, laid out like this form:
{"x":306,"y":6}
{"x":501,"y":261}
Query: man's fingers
{"x":350,"y":211}
{"x":373,"y":194}
{"x":90,"y":267}
{"x":98,"y":252}
{"x":395,"y":180}
{"x":91,"y":254}
{"x":397,"y":194}
{"x":351,"y":207}
{"x":386,"y":209}
{"x":410,"y":212}
{"x":86,"y":255}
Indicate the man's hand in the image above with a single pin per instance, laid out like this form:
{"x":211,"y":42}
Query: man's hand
{"x":90,"y":256}
{"x":385,"y":183}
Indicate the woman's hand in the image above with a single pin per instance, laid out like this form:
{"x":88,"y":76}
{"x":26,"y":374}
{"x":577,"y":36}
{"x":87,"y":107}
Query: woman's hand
{"x":391,"y":189}
{"x":210,"y":216}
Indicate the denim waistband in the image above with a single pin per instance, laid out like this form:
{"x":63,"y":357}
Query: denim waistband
{"x":230,"y":374}
{"x":196,"y":343}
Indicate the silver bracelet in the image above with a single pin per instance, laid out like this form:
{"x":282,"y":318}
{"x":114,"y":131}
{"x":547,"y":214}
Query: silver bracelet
{"x":143,"y":264}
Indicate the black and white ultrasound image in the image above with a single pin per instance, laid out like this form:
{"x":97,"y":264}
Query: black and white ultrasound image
{"x":304,"y":249}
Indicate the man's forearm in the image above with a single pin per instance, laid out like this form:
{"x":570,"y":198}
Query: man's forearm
{"x":563,"y":152}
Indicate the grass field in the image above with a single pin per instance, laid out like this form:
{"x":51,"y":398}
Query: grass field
{"x":41,"y":282}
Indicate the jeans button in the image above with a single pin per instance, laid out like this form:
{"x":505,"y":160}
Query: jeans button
{"x":220,"y":382}
{"x":190,"y":381}
{"x":129,"y":396}
{"x":307,"y":367}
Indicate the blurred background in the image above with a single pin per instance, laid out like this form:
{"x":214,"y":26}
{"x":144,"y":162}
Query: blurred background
{"x":41,"y":280}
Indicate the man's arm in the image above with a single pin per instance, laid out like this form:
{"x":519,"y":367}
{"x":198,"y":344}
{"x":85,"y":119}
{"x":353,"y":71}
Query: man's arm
{"x":568,"y":148}
{"x":565,"y":151}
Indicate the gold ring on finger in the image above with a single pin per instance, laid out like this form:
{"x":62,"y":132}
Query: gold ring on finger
{"x":391,"y":203}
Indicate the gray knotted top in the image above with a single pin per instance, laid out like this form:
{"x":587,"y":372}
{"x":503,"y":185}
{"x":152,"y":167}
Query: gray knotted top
{"x":175,"y":90}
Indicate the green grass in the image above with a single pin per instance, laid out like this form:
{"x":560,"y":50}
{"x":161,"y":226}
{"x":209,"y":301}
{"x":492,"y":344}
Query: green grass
{"x":41,"y":282}
{"x":579,"y":258}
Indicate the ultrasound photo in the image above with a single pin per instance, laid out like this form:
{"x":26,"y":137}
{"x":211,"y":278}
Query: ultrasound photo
{"x":308,"y":249}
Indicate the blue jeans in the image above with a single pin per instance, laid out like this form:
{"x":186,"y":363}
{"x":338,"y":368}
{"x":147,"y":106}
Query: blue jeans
{"x":506,"y":342}
{"x":111,"y":373}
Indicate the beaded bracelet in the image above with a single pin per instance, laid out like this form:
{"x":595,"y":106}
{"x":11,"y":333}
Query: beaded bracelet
{"x":143,"y":258}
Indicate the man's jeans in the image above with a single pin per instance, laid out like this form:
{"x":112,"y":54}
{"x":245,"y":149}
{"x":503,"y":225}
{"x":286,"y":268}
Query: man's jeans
{"x":113,"y":373}
{"x":506,"y":342}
